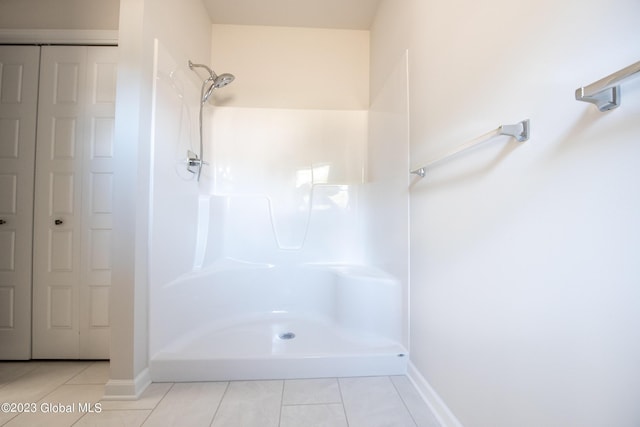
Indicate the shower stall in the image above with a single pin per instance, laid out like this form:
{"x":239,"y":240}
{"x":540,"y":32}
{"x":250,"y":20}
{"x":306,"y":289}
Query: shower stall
{"x":267,"y":274}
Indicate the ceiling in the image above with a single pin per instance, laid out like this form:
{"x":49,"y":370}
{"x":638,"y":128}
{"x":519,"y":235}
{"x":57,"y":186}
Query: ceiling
{"x":344,"y":14}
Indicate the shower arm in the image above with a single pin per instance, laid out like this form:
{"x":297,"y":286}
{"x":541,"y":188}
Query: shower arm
{"x":212,"y":75}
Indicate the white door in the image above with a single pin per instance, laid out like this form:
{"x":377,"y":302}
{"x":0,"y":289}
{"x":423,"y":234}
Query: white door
{"x":18,"y":106}
{"x":72,"y":212}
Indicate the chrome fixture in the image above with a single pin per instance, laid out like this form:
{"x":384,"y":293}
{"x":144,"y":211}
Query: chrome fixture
{"x":520,"y":131}
{"x":217,"y":81}
{"x":214,"y":81}
{"x":605,"y":93}
{"x":194,"y":163}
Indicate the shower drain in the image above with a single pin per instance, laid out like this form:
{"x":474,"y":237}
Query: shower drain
{"x":287,"y":336}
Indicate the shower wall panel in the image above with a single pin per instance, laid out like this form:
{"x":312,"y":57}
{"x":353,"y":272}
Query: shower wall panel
{"x":290,"y":181}
{"x":174,"y":190}
{"x":386,"y":195}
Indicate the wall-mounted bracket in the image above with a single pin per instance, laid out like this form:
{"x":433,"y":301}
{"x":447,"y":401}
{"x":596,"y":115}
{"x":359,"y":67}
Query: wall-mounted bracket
{"x":605,"y":93}
{"x":421,"y":172}
{"x":520,"y":131}
{"x":605,"y":100}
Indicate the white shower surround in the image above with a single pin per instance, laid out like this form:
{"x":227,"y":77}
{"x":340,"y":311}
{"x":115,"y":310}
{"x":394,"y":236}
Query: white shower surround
{"x":269,"y":242}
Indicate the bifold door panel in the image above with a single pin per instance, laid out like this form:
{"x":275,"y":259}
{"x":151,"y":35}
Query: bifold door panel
{"x":65,"y":302}
{"x":18,"y":109}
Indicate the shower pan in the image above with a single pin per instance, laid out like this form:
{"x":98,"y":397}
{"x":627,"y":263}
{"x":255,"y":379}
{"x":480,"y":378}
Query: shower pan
{"x":244,"y":321}
{"x":214,"y":81}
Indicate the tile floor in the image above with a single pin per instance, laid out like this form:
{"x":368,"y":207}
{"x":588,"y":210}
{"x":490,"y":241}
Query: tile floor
{"x":69,"y":394}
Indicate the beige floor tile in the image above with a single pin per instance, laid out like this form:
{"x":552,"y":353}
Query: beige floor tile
{"x":38,"y":382}
{"x":63,"y":407}
{"x":373,"y":402}
{"x":131,"y":418}
{"x":188,"y":404}
{"x":10,"y":371}
{"x":96,"y":373}
{"x":250,"y":404}
{"x":301,"y":392}
{"x":331,"y":415}
{"x":78,"y":386}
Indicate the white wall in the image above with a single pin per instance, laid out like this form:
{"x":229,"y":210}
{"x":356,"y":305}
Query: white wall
{"x":524,"y":266}
{"x":184,"y":30}
{"x":59,"y":15}
{"x":285,"y":67}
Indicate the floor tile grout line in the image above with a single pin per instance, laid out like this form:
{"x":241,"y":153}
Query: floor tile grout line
{"x":20,"y":376}
{"x":148,"y":416}
{"x":156,"y":405}
{"x":78,"y":420}
{"x":164,"y":396}
{"x":81,"y":371}
{"x":13,"y":381}
{"x":312,"y":404}
{"x":344,"y":407}
{"x":53,"y":390}
{"x":284,"y":384}
{"x":404,"y":403}
{"x":215,"y":413}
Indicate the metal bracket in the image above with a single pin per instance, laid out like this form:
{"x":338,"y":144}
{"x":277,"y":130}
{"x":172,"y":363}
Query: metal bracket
{"x":520,"y":131}
{"x":605,"y":93}
{"x":421,"y":172}
{"x":606,"y":100}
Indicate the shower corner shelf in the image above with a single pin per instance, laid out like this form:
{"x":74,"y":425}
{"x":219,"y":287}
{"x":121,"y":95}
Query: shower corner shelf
{"x":605,"y":93}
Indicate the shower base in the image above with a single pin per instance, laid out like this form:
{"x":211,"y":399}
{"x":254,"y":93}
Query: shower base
{"x":277,"y":346}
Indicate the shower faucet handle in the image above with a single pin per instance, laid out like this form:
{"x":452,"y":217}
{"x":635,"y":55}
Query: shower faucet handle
{"x":58,"y":222}
{"x":194,"y":163}
{"x":3,"y":221}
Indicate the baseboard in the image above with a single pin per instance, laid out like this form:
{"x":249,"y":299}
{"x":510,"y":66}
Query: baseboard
{"x":441,"y":411}
{"x":127,"y":389}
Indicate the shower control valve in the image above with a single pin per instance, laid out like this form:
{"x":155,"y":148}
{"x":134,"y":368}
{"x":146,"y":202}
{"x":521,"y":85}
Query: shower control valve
{"x":194,"y":163}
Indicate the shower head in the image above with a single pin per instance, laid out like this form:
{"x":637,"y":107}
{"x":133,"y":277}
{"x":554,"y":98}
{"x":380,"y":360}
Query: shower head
{"x":222,"y":80}
{"x":217,"y":81}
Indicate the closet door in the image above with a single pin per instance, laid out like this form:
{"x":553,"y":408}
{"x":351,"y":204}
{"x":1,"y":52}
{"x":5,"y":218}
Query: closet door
{"x":18,"y":107}
{"x":72,"y":215}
